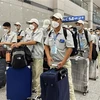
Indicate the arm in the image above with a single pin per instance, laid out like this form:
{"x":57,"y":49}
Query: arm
{"x":90,"y":45}
{"x":27,"y":43}
{"x":90,"y":51}
{"x":47,"y":51}
{"x":6,"y":43}
{"x":23,"y":43}
{"x":67,"y":55}
{"x":49,"y":58}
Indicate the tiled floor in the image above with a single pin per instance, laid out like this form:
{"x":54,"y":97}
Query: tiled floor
{"x":94,"y":92}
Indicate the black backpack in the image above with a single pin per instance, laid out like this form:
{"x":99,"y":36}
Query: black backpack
{"x":74,"y":35}
{"x":20,"y":57}
{"x":94,"y":52}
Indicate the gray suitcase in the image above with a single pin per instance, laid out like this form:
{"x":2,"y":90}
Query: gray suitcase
{"x":80,"y":74}
{"x":2,"y":72}
{"x":94,"y":69}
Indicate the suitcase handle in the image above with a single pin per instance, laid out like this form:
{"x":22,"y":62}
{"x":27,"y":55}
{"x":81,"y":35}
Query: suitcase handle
{"x":62,"y":73}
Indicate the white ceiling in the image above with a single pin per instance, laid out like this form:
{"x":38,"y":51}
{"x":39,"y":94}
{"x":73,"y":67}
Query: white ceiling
{"x":97,"y":2}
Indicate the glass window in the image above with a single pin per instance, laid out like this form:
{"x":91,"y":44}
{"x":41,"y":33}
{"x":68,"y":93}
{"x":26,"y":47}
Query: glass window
{"x":81,"y":3}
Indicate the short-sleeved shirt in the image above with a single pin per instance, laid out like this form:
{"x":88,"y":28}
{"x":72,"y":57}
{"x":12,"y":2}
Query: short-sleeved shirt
{"x":45,"y":32}
{"x":10,"y":38}
{"x":61,"y":46}
{"x":21,"y":32}
{"x":38,"y":49}
{"x":27,"y":38}
{"x":83,"y":40}
{"x":95,"y":41}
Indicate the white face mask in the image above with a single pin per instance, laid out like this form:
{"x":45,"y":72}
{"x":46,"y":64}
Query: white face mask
{"x":31,"y":27}
{"x":98,"y":33}
{"x":78,"y":28}
{"x":16,"y":28}
{"x":6,"y":30}
{"x":55,"y":24}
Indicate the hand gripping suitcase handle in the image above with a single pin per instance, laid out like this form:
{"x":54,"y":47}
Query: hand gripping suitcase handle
{"x":63,"y":71}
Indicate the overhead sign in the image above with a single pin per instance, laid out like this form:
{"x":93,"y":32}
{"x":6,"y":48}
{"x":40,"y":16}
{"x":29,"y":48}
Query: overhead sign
{"x":73,"y":18}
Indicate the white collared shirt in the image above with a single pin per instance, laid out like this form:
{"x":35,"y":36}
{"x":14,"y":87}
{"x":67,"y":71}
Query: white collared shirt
{"x":61,"y":46}
{"x":10,"y":38}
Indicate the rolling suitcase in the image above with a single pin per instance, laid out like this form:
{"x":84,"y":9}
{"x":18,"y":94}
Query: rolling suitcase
{"x":19,"y":83}
{"x":80,"y":74}
{"x":2,"y":72}
{"x":94,"y":69}
{"x":54,"y":85}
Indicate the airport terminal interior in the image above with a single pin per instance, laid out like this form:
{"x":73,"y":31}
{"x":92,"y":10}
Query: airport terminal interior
{"x":22,"y":11}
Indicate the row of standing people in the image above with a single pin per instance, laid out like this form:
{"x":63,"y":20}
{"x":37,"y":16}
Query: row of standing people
{"x":57,"y":48}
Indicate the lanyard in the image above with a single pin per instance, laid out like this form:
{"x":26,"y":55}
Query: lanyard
{"x":55,"y":37}
{"x":7,"y":37}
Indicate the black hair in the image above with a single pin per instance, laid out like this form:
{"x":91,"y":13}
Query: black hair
{"x":7,"y":24}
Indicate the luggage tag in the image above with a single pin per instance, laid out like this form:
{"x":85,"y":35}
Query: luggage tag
{"x":54,"y":49}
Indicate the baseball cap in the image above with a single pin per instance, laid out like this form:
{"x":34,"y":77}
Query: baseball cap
{"x":17,"y":23}
{"x":46,"y":23}
{"x":57,"y":15}
{"x":70,"y":26}
{"x":33,"y":20}
{"x":80,"y":21}
{"x":65,"y":26}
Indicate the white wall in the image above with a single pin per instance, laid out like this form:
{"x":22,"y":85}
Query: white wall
{"x":14,"y":10}
{"x":48,"y":3}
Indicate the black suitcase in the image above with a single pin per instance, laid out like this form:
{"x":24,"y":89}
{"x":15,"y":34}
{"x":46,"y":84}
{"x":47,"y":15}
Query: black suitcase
{"x":2,"y":72}
{"x":55,"y":85}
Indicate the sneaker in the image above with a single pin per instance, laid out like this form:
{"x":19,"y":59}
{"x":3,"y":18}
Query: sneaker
{"x":39,"y":98}
{"x":33,"y":91}
{"x":36,"y":98}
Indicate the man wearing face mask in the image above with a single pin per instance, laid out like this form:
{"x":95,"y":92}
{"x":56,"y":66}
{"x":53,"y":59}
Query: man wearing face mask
{"x":46,"y":27}
{"x":19,"y":31}
{"x":37,"y":53}
{"x":84,"y":40}
{"x":9,"y":37}
{"x":58,"y":49}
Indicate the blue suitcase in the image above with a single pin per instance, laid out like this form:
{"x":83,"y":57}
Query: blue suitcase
{"x":2,"y":72}
{"x":55,"y":85}
{"x":19,"y":83}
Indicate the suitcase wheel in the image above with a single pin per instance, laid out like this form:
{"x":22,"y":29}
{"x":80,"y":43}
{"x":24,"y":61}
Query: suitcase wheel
{"x":3,"y":84}
{"x":84,"y":93}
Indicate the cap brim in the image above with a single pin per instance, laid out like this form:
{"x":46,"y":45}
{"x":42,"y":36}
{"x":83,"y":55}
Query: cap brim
{"x":17,"y":24}
{"x":54,"y":17}
{"x":79,"y":23}
{"x":29,"y":22}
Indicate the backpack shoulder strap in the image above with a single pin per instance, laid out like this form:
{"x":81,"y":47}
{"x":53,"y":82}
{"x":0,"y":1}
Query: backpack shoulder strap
{"x":65,"y":32}
{"x":20,"y":32}
{"x":86,"y":35}
{"x":50,"y":33}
